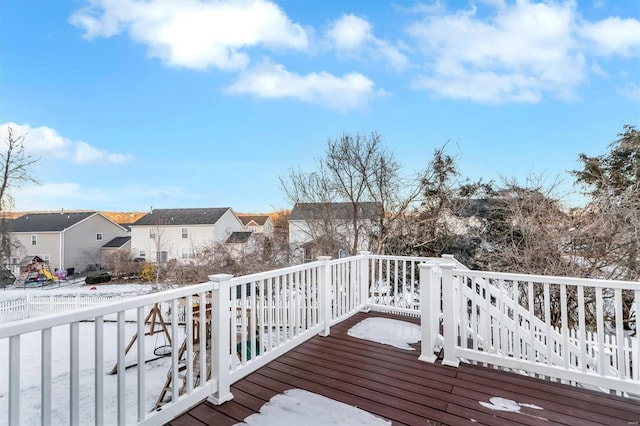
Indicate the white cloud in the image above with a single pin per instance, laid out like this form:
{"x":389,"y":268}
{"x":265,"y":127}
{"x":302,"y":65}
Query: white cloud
{"x":268,"y":80}
{"x":630,"y":91}
{"x":350,"y":32}
{"x":45,"y":143}
{"x":195,"y":34}
{"x":87,"y":154}
{"x":520,"y":54}
{"x":613,"y":36}
{"x":352,"y":35}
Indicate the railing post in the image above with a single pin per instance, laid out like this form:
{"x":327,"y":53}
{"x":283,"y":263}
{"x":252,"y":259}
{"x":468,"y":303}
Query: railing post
{"x":325,"y":295}
{"x":429,"y":310}
{"x":448,"y":258}
{"x":449,"y":315}
{"x":364,"y":280}
{"x":221,"y":333}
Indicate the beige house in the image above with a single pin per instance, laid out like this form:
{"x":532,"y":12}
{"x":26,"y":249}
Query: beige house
{"x":258,"y":223}
{"x":165,"y":234}
{"x":63,"y":239}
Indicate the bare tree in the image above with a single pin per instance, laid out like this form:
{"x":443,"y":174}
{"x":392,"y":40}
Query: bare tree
{"x":356,"y":169}
{"x":15,"y":166}
{"x":527,"y":230}
{"x":160,"y":245}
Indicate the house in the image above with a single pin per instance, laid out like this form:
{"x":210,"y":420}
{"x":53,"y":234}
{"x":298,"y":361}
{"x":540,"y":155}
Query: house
{"x":164,"y":234}
{"x":63,"y":239}
{"x":328,"y":228}
{"x":258,"y":223}
{"x":240,"y":244}
{"x":117,"y":244}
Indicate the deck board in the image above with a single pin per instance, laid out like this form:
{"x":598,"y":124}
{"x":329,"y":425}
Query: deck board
{"x":393,"y":384}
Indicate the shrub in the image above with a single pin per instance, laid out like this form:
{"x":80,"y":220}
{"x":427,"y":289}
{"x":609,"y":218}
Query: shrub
{"x":98,"y":278}
{"x":148,"y":273}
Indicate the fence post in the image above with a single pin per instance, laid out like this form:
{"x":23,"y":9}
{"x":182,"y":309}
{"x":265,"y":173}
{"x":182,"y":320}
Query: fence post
{"x":221,"y":333}
{"x":325,"y":295}
{"x":429,"y":310}
{"x":364,"y":280}
{"x":449,"y":315}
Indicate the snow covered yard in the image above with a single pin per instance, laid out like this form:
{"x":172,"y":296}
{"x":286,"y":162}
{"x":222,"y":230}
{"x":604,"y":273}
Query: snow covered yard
{"x":30,"y":367}
{"x":30,"y":375}
{"x":76,"y":289}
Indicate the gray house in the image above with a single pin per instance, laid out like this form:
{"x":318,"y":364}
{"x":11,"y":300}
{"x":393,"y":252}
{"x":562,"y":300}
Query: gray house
{"x":63,"y":239}
{"x":328,"y":228}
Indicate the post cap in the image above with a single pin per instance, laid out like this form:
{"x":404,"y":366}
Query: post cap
{"x":216,"y":278}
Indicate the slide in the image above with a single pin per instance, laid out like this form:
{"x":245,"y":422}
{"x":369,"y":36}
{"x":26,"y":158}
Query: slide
{"x":46,"y":274}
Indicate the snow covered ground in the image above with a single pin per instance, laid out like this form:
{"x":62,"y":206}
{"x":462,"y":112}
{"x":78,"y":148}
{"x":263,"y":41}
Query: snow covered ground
{"x":30,"y":364}
{"x":30,"y":372}
{"x":76,"y":288}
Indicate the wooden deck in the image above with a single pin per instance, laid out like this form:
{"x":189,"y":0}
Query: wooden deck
{"x":392,"y":383}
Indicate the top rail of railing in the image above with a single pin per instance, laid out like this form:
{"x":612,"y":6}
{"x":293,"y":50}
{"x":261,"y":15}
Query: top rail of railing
{"x":572,"y":281}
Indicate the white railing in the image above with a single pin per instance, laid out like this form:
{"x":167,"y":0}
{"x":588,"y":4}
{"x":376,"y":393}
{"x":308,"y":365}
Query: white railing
{"x":560,"y":328}
{"x":215,"y":333}
{"x":220,"y":331}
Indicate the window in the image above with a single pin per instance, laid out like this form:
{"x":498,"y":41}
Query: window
{"x":185,"y":233}
{"x":187,"y":253}
{"x":152,"y":233}
{"x":13,"y":261}
{"x":142,"y":253}
{"x":99,"y":236}
{"x":162,"y":256}
{"x":34,"y":240}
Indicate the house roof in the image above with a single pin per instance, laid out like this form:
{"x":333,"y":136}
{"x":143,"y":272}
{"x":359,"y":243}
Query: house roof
{"x":124,"y":218}
{"x":29,"y":259}
{"x":117,"y":242}
{"x":320,"y":211}
{"x":257,"y":219}
{"x":194,"y":216}
{"x":239,"y":237}
{"x":48,"y":222}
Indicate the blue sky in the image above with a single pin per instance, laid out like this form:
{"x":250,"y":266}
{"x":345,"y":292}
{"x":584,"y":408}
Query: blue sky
{"x":131,"y":104}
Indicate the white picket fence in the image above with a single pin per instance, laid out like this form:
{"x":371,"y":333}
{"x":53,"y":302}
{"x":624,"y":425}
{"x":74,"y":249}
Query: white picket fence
{"x":30,"y":306}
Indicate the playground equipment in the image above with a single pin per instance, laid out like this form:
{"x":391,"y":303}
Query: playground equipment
{"x":153,"y":319}
{"x":35,"y":271}
{"x":197,"y":317}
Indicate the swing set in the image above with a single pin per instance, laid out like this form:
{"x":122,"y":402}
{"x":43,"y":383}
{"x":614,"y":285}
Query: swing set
{"x":157,"y":326}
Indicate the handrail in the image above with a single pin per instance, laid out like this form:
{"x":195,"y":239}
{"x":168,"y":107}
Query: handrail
{"x":539,"y":347}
